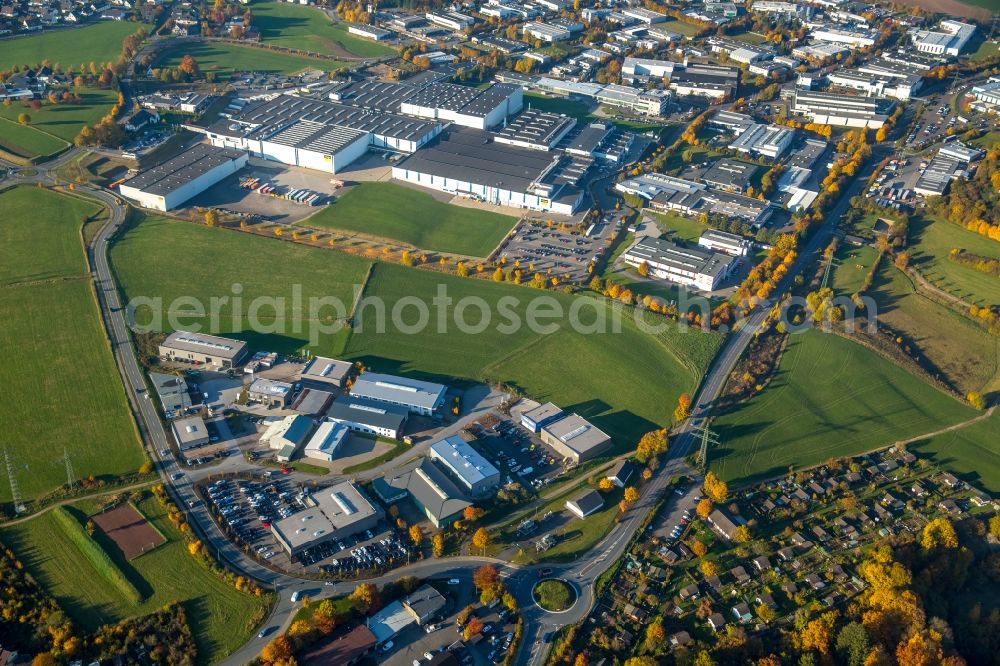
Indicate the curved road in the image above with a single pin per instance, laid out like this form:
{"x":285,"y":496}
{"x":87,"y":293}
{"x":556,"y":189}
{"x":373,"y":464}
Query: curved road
{"x":583,"y":572}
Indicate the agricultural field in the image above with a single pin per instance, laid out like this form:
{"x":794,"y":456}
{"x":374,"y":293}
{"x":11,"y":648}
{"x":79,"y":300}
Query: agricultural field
{"x":146,"y":258}
{"x":218,"y":613}
{"x":98,"y":42}
{"x":308,"y":28}
{"x":224,"y":59}
{"x":830,"y":398}
{"x":583,"y":376}
{"x":47,"y":224}
{"x":931,"y":240}
{"x":853,"y":264}
{"x":65,"y":120}
{"x":70,"y":393}
{"x":972,"y":452}
{"x":579,"y":370}
{"x":963,"y":351}
{"x":27,"y":142}
{"x":399,"y":213}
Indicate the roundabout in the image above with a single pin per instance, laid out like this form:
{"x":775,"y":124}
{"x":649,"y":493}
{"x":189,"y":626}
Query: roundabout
{"x":554,"y":595}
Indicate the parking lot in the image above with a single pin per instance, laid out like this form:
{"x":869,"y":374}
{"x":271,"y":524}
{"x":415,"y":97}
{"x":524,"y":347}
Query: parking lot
{"x":229,"y":195}
{"x":516,"y":451}
{"x":541,"y":248}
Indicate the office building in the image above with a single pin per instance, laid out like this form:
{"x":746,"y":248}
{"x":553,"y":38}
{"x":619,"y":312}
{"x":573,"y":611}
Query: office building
{"x":769,"y":141}
{"x":203,"y":349}
{"x":369,"y":416}
{"x":855,"y":38}
{"x":327,"y":371}
{"x":173,"y":182}
{"x":534,"y":129}
{"x":431,"y":490}
{"x":689,"y":266}
{"x":415,"y":395}
{"x":575,"y":438}
{"x":472,"y":470}
{"x":270,"y":392}
{"x":724,"y":242}
{"x":172,"y":390}
{"x":845,"y":110}
{"x":542,"y":415}
{"x":666,"y":193}
{"x":287,"y":435}
{"x":878,"y":82}
{"x":190,"y":432}
{"x":332,"y":514}
{"x":730,"y":175}
{"x":326,"y":441}
{"x":949,"y":40}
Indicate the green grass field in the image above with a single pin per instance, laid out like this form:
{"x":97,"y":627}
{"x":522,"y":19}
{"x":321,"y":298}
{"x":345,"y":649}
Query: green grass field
{"x":966,"y":354}
{"x":224,"y":59}
{"x":580,"y":372}
{"x":852,"y":267}
{"x":679,"y":227}
{"x":59,"y":365}
{"x":308,"y":28}
{"x":410,"y":216}
{"x":219,"y":615}
{"x":830,"y":398}
{"x":97,"y":42}
{"x":65,"y":120}
{"x":686,"y":29}
{"x":932,"y":240}
{"x":564,"y":105}
{"x":41,"y":235}
{"x":146,"y":261}
{"x":972,"y":452}
{"x":25,"y":141}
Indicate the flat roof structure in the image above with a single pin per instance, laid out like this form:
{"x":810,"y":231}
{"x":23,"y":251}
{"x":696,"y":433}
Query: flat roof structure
{"x":374,"y":94}
{"x":355,"y":409}
{"x":339,"y":511}
{"x":190,"y":432}
{"x":536,"y":129}
{"x":416,"y":395}
{"x":312,"y":401}
{"x":172,"y":391}
{"x":346,"y":649}
{"x":467,"y":154}
{"x":327,"y":370}
{"x":271,"y":389}
{"x":694,"y":260}
{"x":534,"y":419}
{"x":390,"y":621}
{"x":317,"y":137}
{"x":575,"y":437}
{"x":730,"y":175}
{"x":768,"y":140}
{"x":474,"y":471}
{"x":176,"y":173}
{"x":424,"y":604}
{"x":200,"y":343}
{"x":288,"y":430}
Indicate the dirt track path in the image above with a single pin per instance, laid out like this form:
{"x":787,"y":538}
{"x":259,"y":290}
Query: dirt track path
{"x":957,"y":426}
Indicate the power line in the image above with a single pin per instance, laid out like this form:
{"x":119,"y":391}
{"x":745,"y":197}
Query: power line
{"x":706,"y":437}
{"x":15,"y":490}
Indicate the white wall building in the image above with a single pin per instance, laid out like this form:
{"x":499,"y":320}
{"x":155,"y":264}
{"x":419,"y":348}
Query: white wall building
{"x":692,"y":267}
{"x":950,"y":40}
{"x":171,"y":183}
{"x":326,"y":441}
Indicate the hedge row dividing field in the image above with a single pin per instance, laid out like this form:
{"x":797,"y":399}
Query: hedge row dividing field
{"x":96,"y":555}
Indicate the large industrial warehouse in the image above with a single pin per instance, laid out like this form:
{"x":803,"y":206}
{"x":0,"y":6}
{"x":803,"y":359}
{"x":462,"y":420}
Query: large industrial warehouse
{"x":171,"y":183}
{"x":474,"y":164}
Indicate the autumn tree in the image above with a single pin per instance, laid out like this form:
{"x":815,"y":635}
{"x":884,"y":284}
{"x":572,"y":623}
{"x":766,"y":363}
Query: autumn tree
{"x":365,"y":598}
{"x":24,"y":118}
{"x":817,"y":633}
{"x":280,"y":649}
{"x":709,"y":568}
{"x":473,"y":628}
{"x":741,"y":534}
{"x":715,"y":488}
{"x":703,"y":508}
{"x":853,"y":644}
{"x":437,"y":544}
{"x":416,"y":535}
{"x":486,"y":577}
{"x":683,"y":408}
{"x":605,"y":484}
{"x":481,"y":539}
{"x":994,"y":526}
{"x":939,"y":533}
{"x":976,"y":400}
{"x":653,"y":443}
{"x":472,"y":513}
{"x":211,"y":217}
{"x":655,"y":635}
{"x":631,"y":495}
{"x":699,"y":548}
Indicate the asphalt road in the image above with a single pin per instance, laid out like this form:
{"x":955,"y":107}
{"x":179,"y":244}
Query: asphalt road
{"x":583,"y":573}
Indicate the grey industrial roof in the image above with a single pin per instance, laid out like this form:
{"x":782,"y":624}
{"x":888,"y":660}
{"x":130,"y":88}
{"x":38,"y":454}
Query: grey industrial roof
{"x":317,"y":137}
{"x":324,"y":369}
{"x":425,"y":601}
{"x":728,"y":172}
{"x":188,"y":430}
{"x":403,"y":390}
{"x":429,"y":486}
{"x":270,"y":387}
{"x":337,"y":508}
{"x":375,"y":94}
{"x":467,"y":463}
{"x":368,"y":412}
{"x":286,"y":108}
{"x":178,"y":171}
{"x":204,"y":344}
{"x":535,"y":126}
{"x":468,"y":155}
{"x":577,"y":433}
{"x":693,"y":259}
{"x":312,"y":401}
{"x":543,"y":412}
{"x":591,"y":137}
{"x":463,"y":99}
